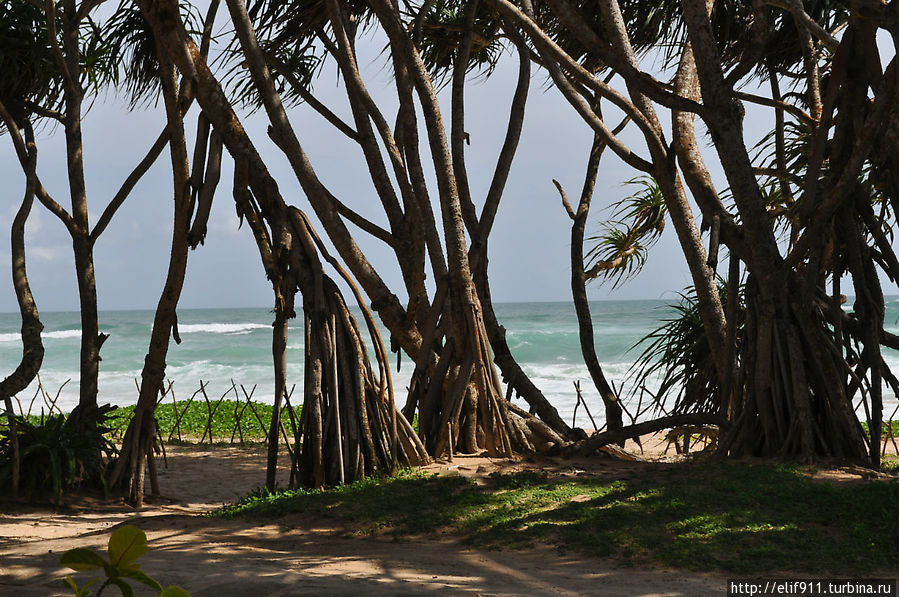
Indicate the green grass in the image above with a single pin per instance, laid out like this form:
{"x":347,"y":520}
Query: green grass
{"x":885,"y":426}
{"x":732,"y":517}
{"x":193,"y":422}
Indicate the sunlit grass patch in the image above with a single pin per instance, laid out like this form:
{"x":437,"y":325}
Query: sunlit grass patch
{"x":733,"y":517}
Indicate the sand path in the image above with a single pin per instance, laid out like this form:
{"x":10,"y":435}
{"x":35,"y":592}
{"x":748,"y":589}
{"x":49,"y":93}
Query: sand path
{"x":220,"y":558}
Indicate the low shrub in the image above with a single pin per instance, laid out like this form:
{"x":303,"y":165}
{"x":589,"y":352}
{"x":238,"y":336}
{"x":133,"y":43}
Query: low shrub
{"x":54,"y":456}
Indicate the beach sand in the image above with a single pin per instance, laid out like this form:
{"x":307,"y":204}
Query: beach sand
{"x":298,"y":556}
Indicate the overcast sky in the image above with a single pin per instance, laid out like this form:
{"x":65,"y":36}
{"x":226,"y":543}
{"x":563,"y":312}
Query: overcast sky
{"x":529,"y":248}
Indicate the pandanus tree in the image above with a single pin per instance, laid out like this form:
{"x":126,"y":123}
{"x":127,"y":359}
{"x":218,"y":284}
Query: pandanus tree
{"x":455,"y":387}
{"x":57,"y":57}
{"x":440,"y":333}
{"x":23,"y":82}
{"x":804,"y":364}
{"x":457,"y":40}
{"x":51,"y":61}
{"x":349,"y":426}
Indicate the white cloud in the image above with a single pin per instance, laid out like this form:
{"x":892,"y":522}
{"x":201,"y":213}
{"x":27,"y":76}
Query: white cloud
{"x":45,"y":253}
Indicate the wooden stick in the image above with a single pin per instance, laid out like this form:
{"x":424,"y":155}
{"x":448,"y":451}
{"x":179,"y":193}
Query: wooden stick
{"x":183,"y":412}
{"x":251,"y":405}
{"x":449,"y":434}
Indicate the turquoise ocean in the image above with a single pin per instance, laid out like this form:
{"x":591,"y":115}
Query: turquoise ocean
{"x":221,"y":345}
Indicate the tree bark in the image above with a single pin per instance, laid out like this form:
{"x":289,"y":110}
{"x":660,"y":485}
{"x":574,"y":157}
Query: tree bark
{"x":32,"y":346}
{"x":140,"y":436}
{"x":613,"y":408}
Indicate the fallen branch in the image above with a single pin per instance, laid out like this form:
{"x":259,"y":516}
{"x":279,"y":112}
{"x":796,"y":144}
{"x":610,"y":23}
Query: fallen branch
{"x":598,"y":440}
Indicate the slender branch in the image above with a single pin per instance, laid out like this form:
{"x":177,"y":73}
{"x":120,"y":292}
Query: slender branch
{"x":129,"y":183}
{"x":884,"y":102}
{"x":45,"y":112}
{"x":560,"y":58}
{"x":407,"y":131}
{"x":599,"y":127}
{"x":40,"y":192}
{"x":208,"y":24}
{"x":724,"y":122}
{"x":565,"y":202}
{"x":365,"y":224}
{"x":643,"y":83}
{"x":794,"y":7}
{"x":686,"y":146}
{"x":458,"y":136}
{"x":764,"y":101}
{"x":511,"y":141}
{"x":364,"y":111}
{"x":52,"y":34}
{"x":310,"y":99}
{"x":170,"y":32}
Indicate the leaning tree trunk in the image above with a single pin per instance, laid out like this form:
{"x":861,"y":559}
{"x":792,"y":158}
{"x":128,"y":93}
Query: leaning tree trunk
{"x":32,"y":347}
{"x":614,"y":420}
{"x":479,"y":228}
{"x":334,"y":397}
{"x":138,"y":445}
{"x":350,"y":427}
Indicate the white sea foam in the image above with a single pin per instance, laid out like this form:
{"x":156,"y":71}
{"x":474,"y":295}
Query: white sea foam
{"x":245,"y":357}
{"x":221,"y":328}
{"x":58,"y":335}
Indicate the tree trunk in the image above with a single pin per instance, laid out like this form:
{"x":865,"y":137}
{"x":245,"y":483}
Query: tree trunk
{"x":348,"y":428}
{"x":139,"y":441}
{"x":610,"y":400}
{"x":91,"y":340}
{"x":32,"y":347}
{"x":796,"y":402}
{"x":283,"y":314}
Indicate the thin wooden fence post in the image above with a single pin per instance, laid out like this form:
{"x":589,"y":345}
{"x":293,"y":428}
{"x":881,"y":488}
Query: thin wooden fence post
{"x":180,"y":416}
{"x":211,"y":410}
{"x":252,"y":407}
{"x":449,"y":434}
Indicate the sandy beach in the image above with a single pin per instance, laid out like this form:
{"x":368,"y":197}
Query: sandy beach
{"x":297,"y":556}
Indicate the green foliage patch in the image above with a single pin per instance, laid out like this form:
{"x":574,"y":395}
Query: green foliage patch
{"x":195,"y":415}
{"x":886,"y":428}
{"x":732,"y":517}
{"x":54,"y":455}
{"x":127,"y":544}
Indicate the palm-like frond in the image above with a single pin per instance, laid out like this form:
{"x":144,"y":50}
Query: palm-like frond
{"x":132,"y":46}
{"x":99,"y":64}
{"x":677,"y":355}
{"x":620,"y":250}
{"x":29,"y":70}
{"x":442,"y":30}
{"x":287,"y":33}
{"x":658,"y":27}
{"x":616,"y":256}
{"x":290,"y":65}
